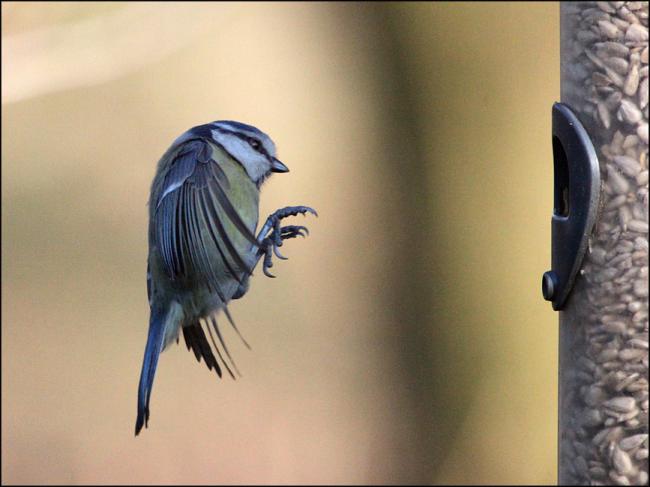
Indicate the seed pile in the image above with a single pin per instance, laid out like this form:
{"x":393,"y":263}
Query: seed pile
{"x":604,"y":330}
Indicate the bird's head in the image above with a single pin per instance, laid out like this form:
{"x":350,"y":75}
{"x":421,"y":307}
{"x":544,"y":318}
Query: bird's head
{"x":251,"y":147}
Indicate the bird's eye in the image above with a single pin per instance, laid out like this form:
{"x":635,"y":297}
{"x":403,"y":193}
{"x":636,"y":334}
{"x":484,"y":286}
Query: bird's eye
{"x":255,"y":144}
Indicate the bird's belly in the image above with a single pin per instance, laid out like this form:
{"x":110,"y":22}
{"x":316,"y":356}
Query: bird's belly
{"x":194,"y":302}
{"x":199,"y":300}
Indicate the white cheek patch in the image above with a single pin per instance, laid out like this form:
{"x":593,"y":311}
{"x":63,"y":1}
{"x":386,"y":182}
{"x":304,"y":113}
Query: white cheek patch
{"x":236,"y":147}
{"x":256,"y":164}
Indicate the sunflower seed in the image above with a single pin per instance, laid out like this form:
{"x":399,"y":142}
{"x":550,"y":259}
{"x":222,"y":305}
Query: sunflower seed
{"x":633,"y":441}
{"x":604,"y":369}
{"x":632,"y":81}
{"x":642,"y":132}
{"x":628,"y":165}
{"x":615,"y":181}
{"x":634,"y":33}
{"x":618,"y":64}
{"x":629,"y":112}
{"x":643,"y":93}
{"x":608,"y":29}
{"x":638,"y":226}
{"x":606,"y":7}
{"x":622,"y":461}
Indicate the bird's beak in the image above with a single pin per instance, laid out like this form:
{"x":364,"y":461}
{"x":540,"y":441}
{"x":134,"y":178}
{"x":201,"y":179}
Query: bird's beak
{"x":277,"y":166}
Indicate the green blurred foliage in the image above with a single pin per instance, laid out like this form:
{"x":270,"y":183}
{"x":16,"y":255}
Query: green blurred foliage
{"x":404,"y":341}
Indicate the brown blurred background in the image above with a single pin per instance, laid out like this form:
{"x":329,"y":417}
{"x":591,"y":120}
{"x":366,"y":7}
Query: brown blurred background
{"x":405,"y":340}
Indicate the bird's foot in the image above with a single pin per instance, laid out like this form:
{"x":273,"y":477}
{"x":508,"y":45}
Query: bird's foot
{"x":271,"y":242}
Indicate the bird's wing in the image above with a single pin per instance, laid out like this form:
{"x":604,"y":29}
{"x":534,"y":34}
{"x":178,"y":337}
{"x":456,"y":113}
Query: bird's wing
{"x":198,"y":230}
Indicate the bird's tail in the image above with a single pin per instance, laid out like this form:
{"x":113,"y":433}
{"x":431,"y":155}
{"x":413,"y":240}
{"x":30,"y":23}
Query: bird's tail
{"x":158,"y":323}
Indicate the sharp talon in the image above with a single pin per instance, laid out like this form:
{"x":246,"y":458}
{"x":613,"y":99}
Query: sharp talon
{"x":291,"y":231}
{"x":278,"y":254}
{"x":276,"y":234}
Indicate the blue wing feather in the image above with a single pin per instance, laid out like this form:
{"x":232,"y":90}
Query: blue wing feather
{"x":189,"y":225}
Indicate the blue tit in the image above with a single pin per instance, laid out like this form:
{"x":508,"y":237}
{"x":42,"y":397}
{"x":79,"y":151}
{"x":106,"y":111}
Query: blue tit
{"x":203,"y":213}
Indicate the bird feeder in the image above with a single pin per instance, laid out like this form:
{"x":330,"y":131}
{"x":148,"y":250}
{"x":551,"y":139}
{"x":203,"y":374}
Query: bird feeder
{"x":599,"y":276}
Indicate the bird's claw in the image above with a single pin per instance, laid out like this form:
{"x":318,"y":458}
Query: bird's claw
{"x":292,"y":231}
{"x":293,"y":211}
{"x":278,"y":254}
{"x":271,"y":243}
{"x":268,"y":255}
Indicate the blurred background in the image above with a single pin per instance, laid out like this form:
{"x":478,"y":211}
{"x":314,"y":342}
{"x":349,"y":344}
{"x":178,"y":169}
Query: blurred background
{"x":405,"y":341}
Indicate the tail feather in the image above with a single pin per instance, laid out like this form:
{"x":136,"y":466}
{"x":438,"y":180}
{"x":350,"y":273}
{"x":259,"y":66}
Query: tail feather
{"x":196,"y":340}
{"x":155,"y":342}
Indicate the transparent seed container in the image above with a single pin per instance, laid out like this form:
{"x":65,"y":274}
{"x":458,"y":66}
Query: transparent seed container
{"x":603,"y":398}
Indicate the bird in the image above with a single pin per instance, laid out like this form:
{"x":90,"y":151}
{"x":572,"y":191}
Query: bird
{"x":203,"y":214}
